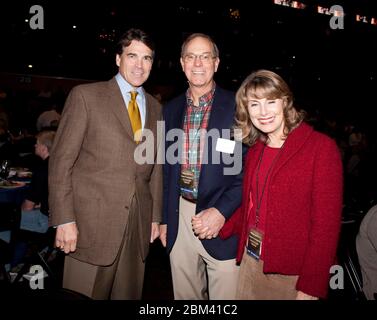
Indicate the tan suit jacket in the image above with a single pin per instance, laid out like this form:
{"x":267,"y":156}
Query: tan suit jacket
{"x":93,"y":177}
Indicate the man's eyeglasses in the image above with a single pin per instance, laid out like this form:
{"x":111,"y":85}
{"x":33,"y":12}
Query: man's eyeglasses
{"x":204,"y":58}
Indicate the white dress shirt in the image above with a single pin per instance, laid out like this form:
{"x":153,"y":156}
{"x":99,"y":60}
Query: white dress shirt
{"x":125,"y":89}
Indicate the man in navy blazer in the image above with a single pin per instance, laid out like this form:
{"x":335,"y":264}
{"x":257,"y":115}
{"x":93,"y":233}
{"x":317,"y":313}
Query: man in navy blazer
{"x":203,"y":188}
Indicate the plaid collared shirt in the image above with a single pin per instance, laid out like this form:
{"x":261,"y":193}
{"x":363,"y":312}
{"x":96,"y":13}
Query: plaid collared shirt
{"x":195,"y":126}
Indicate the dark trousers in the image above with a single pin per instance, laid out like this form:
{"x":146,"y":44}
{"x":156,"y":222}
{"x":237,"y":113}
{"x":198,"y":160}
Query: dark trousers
{"x":122,"y":280}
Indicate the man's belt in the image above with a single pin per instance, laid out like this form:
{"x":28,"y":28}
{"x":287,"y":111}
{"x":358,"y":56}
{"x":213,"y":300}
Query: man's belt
{"x":190,"y":200}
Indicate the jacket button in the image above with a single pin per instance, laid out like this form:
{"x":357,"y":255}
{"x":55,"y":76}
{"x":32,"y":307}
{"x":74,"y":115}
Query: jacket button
{"x":127,"y":207}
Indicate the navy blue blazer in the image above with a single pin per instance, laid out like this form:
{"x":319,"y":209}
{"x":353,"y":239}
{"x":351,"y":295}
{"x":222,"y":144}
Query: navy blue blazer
{"x":224,"y":192}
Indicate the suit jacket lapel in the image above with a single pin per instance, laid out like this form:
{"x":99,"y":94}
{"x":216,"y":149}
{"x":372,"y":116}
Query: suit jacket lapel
{"x":180,"y":116}
{"x":175,"y":120}
{"x":253,"y":160}
{"x":147,"y":124}
{"x":118,"y":106}
{"x":292,"y":145}
{"x":217,"y":119}
{"x":180,"y":112}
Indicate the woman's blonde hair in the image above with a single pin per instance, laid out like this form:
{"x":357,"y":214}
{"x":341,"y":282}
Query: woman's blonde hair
{"x":264,"y":84}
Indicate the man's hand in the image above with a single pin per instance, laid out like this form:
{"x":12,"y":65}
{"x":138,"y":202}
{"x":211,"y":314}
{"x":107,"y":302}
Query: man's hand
{"x":66,"y":237}
{"x":163,"y":232}
{"x":303,"y":296}
{"x":208,"y":223}
{"x":155,"y":232}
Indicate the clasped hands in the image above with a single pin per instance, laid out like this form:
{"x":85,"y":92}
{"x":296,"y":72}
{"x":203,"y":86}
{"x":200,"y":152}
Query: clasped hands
{"x":208,"y":223}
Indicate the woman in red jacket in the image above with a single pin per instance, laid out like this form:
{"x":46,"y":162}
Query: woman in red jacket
{"x":290,"y":216}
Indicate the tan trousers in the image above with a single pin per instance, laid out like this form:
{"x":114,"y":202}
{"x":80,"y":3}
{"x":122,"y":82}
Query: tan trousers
{"x":192,"y":267}
{"x":120,"y":281}
{"x":253,"y":284}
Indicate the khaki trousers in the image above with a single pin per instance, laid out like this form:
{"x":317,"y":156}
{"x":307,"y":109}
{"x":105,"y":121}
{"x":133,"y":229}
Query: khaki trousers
{"x":120,"y":281}
{"x":253,"y":284}
{"x":196,"y":275}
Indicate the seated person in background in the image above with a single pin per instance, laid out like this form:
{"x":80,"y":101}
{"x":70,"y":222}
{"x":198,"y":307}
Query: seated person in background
{"x":366,"y":246}
{"x":35,"y":206}
{"x":35,"y":211}
{"x":49,"y":118}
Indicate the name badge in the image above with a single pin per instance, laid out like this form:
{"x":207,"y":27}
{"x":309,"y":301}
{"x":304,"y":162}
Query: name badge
{"x":225,"y":145}
{"x":254,"y":244}
{"x":187,"y":180}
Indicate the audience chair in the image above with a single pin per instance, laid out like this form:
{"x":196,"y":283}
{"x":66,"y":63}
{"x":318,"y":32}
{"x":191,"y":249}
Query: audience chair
{"x":41,"y":247}
{"x":10,"y":215}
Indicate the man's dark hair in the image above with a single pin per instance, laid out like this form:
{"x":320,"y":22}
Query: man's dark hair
{"x":134,"y":34}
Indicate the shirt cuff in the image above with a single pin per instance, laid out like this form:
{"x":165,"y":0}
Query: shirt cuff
{"x":64,"y":224}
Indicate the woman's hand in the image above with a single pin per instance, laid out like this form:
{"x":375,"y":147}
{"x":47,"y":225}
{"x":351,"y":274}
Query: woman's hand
{"x":303,"y":296}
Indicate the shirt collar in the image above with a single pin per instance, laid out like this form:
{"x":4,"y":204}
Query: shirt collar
{"x":125,"y":87}
{"x":204,"y":100}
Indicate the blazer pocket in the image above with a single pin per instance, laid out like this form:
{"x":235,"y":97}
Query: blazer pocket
{"x":87,"y":212}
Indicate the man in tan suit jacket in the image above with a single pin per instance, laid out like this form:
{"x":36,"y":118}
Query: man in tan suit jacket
{"x":105,"y":205}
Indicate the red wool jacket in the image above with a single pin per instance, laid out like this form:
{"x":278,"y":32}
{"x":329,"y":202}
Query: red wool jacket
{"x":304,"y":207}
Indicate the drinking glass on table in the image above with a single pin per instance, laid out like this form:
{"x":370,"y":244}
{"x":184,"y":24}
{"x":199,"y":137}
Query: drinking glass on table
{"x":4,"y":169}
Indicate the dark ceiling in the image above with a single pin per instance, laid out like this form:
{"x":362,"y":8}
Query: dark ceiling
{"x":78,"y":38}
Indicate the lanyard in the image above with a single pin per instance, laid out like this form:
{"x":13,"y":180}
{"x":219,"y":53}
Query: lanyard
{"x":259,"y":199}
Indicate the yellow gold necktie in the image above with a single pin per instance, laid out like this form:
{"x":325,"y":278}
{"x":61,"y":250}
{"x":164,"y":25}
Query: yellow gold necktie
{"x":134,"y":114}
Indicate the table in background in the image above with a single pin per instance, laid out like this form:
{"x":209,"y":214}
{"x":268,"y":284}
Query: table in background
{"x":11,"y":196}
